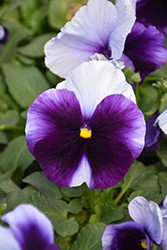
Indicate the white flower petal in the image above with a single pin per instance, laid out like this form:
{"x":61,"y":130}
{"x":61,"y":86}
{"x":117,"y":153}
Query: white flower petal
{"x":87,"y":33}
{"x":125,"y":20}
{"x":162,"y":121}
{"x":7,"y":240}
{"x":82,"y":174}
{"x":93,"y":81}
{"x":147,"y":214}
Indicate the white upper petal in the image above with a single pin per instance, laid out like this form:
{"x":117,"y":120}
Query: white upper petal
{"x":162,"y":121}
{"x":83,"y":36}
{"x":125,"y":20}
{"x":7,"y":240}
{"x":93,"y":81}
{"x":147,"y":214}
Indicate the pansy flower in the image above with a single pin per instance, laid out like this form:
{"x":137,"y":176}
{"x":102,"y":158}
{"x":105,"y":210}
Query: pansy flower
{"x":162,"y":121}
{"x":89,"y":129}
{"x":152,"y":12}
{"x":29,"y":229}
{"x":155,"y":127}
{"x":148,"y":227}
{"x":144,"y":49}
{"x":98,"y":27}
{"x":101,"y":27}
{"x":3,"y":34}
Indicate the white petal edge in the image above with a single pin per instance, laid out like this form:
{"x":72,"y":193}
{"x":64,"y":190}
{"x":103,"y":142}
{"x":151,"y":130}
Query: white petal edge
{"x":82,"y":174}
{"x":126,"y":17}
{"x":162,"y":121}
{"x":149,"y":215}
{"x":107,"y":238}
{"x":93,"y":81}
{"x":22,"y":216}
{"x":7,"y":240}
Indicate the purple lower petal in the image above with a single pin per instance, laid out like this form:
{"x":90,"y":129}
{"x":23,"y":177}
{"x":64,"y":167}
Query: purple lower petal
{"x":52,"y":112}
{"x":125,"y":236}
{"x":152,"y":12}
{"x":118,"y":130}
{"x":146,"y":48}
{"x":52,"y":247}
{"x":163,"y":243}
{"x":119,"y":119}
{"x":31,"y":228}
{"x":152,"y":131}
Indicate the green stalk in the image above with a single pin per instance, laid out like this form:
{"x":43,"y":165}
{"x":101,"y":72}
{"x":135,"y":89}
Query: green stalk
{"x":154,"y":247}
{"x":120,"y":196}
{"x":91,"y":201}
{"x":136,"y":90}
{"x":10,"y":127}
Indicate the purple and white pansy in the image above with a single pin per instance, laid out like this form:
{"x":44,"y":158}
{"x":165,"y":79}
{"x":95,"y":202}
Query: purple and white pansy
{"x":149,"y":227}
{"x":103,"y":28}
{"x":3,"y":34}
{"x":88,"y":129}
{"x":29,"y":229}
{"x":98,"y":27}
{"x":144,"y":50}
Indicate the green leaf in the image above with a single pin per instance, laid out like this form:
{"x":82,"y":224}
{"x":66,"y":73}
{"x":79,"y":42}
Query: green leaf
{"x":27,"y":8}
{"x":108,"y":212}
{"x":17,"y":33}
{"x":71,"y":192}
{"x":57,"y":211}
{"x":15,"y":154}
{"x":162,"y":153}
{"x":57,"y":11}
{"x":17,"y":197}
{"x":150,"y":196}
{"x":24,"y":83}
{"x":35,"y":48}
{"x":75,"y":205}
{"x":12,"y":5}
{"x":89,"y":237}
{"x":43,"y":185}
{"x":11,"y":117}
{"x":163,"y":182}
{"x":8,"y":186}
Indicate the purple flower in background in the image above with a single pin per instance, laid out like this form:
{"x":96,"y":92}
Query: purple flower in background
{"x":3,"y":35}
{"x":149,"y":226}
{"x":153,"y":132}
{"x":155,"y":127}
{"x":144,"y":49}
{"x":162,"y":121}
{"x":125,"y":236}
{"x":88,"y":129}
{"x":152,"y":12}
{"x":98,"y":27}
{"x":29,"y":229}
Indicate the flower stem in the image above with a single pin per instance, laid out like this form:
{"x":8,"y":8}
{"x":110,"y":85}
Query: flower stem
{"x":154,"y":247}
{"x":120,"y":196}
{"x":136,"y":90}
{"x":10,"y":127}
{"x":91,"y":201}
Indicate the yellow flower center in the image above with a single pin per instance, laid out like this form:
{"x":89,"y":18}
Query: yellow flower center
{"x":144,"y":245}
{"x":85,"y":132}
